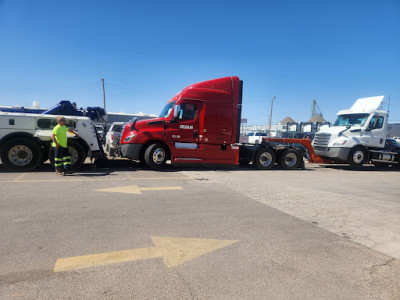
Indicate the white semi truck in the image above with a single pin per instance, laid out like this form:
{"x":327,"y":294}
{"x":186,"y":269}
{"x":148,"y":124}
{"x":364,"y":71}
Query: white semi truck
{"x":358,"y":136}
{"x":25,"y":140}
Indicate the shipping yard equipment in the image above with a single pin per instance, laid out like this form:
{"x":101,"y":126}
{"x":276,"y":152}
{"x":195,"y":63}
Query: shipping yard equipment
{"x":201,"y":125}
{"x":25,"y":140}
{"x":358,"y":136}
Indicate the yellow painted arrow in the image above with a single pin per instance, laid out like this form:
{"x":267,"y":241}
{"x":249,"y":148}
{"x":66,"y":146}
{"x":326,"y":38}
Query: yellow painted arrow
{"x":134,"y":189}
{"x":174,"y":251}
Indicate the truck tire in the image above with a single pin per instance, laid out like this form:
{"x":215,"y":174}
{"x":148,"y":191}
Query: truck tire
{"x":78,"y":155}
{"x":357,"y":157}
{"x":21,"y":155}
{"x":155,"y":156}
{"x":264,"y":159}
{"x":290,"y":159}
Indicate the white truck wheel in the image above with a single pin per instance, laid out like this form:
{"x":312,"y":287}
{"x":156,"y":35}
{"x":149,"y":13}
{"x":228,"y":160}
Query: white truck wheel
{"x":357,"y":157}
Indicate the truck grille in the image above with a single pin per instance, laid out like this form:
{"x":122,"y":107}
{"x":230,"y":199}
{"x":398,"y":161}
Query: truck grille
{"x":322,"y":139}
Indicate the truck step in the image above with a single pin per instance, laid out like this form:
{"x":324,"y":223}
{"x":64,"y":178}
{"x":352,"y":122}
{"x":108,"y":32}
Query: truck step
{"x":385,"y":161}
{"x":382,"y":151}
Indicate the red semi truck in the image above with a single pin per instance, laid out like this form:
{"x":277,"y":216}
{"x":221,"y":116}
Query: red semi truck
{"x":201,"y":125}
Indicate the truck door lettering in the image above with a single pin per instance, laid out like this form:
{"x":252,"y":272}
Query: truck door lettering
{"x":186,"y":127}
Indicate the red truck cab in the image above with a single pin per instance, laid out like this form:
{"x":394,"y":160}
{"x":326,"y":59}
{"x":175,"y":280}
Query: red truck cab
{"x":200,"y":125}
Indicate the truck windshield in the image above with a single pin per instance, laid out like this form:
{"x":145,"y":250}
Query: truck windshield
{"x":167,"y":109}
{"x":356,"y":120}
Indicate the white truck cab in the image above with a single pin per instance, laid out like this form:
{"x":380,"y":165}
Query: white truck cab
{"x":357,"y":136}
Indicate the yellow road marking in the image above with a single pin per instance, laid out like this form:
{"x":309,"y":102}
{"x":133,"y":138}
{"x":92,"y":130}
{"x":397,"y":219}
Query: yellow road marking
{"x":134,"y":189}
{"x":174,"y":251}
{"x":73,"y":179}
{"x":20,"y":176}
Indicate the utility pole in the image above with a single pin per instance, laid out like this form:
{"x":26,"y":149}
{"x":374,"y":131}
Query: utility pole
{"x":104,"y":103}
{"x":270,"y":116}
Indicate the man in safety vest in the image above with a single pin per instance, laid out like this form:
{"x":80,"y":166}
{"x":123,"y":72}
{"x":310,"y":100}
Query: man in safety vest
{"x":62,"y":158}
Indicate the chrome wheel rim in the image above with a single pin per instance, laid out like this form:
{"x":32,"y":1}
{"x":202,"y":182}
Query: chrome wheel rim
{"x":291,"y":159}
{"x":265,"y":159}
{"x":358,"y":157}
{"x":159,"y":156}
{"x":74,"y":155}
{"x":20,"y":155}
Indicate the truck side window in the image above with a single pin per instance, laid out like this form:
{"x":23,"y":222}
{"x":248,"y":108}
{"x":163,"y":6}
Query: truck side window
{"x":376,"y":122}
{"x":51,"y":123}
{"x":188,"y":111}
{"x":379,"y":122}
{"x":372,"y":123}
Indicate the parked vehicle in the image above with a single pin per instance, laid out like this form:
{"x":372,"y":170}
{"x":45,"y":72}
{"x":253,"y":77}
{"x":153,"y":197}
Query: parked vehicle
{"x":25,"y":140}
{"x":113,"y":137}
{"x":358,"y":136}
{"x":255,"y":137}
{"x":392,"y":145}
{"x":201,"y":125}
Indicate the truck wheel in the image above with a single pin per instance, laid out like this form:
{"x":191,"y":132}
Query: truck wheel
{"x":21,"y":155}
{"x":290,"y":159}
{"x":45,"y":156}
{"x":78,"y":155}
{"x":265,"y":159}
{"x":357,"y":156}
{"x":155,"y":156}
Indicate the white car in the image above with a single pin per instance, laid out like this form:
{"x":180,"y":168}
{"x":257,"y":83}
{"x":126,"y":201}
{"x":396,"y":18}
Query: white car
{"x":112,"y":138}
{"x":397,"y":139}
{"x":255,"y":137}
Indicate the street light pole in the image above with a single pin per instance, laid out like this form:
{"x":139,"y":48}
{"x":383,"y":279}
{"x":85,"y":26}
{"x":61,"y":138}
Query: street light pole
{"x":104,"y":94}
{"x":270,"y":116}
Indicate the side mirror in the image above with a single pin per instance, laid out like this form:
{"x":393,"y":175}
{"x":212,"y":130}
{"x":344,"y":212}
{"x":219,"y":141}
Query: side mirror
{"x":133,"y":123}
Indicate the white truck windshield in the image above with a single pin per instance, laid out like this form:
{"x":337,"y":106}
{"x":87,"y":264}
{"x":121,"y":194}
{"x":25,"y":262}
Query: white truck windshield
{"x":356,"y":120}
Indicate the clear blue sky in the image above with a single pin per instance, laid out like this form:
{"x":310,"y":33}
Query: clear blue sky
{"x":147,"y":51}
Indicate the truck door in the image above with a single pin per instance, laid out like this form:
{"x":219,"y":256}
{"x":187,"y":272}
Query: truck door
{"x":183,"y":131}
{"x":376,"y":132}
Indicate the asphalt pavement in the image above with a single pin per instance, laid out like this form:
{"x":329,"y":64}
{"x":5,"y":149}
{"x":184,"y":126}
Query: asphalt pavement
{"x":132,"y":233}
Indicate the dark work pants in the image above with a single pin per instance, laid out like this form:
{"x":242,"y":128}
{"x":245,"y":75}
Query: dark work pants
{"x":62,"y":159}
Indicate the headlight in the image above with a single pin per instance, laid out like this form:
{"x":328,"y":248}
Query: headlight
{"x":339,"y":143}
{"x":130,"y":138}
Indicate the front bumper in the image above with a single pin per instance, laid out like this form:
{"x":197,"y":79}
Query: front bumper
{"x":334,"y":153}
{"x":131,"y":151}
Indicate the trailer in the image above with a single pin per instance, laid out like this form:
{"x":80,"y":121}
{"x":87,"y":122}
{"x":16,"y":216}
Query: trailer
{"x":201,"y":125}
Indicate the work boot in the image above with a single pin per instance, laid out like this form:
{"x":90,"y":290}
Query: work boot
{"x":59,"y":173}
